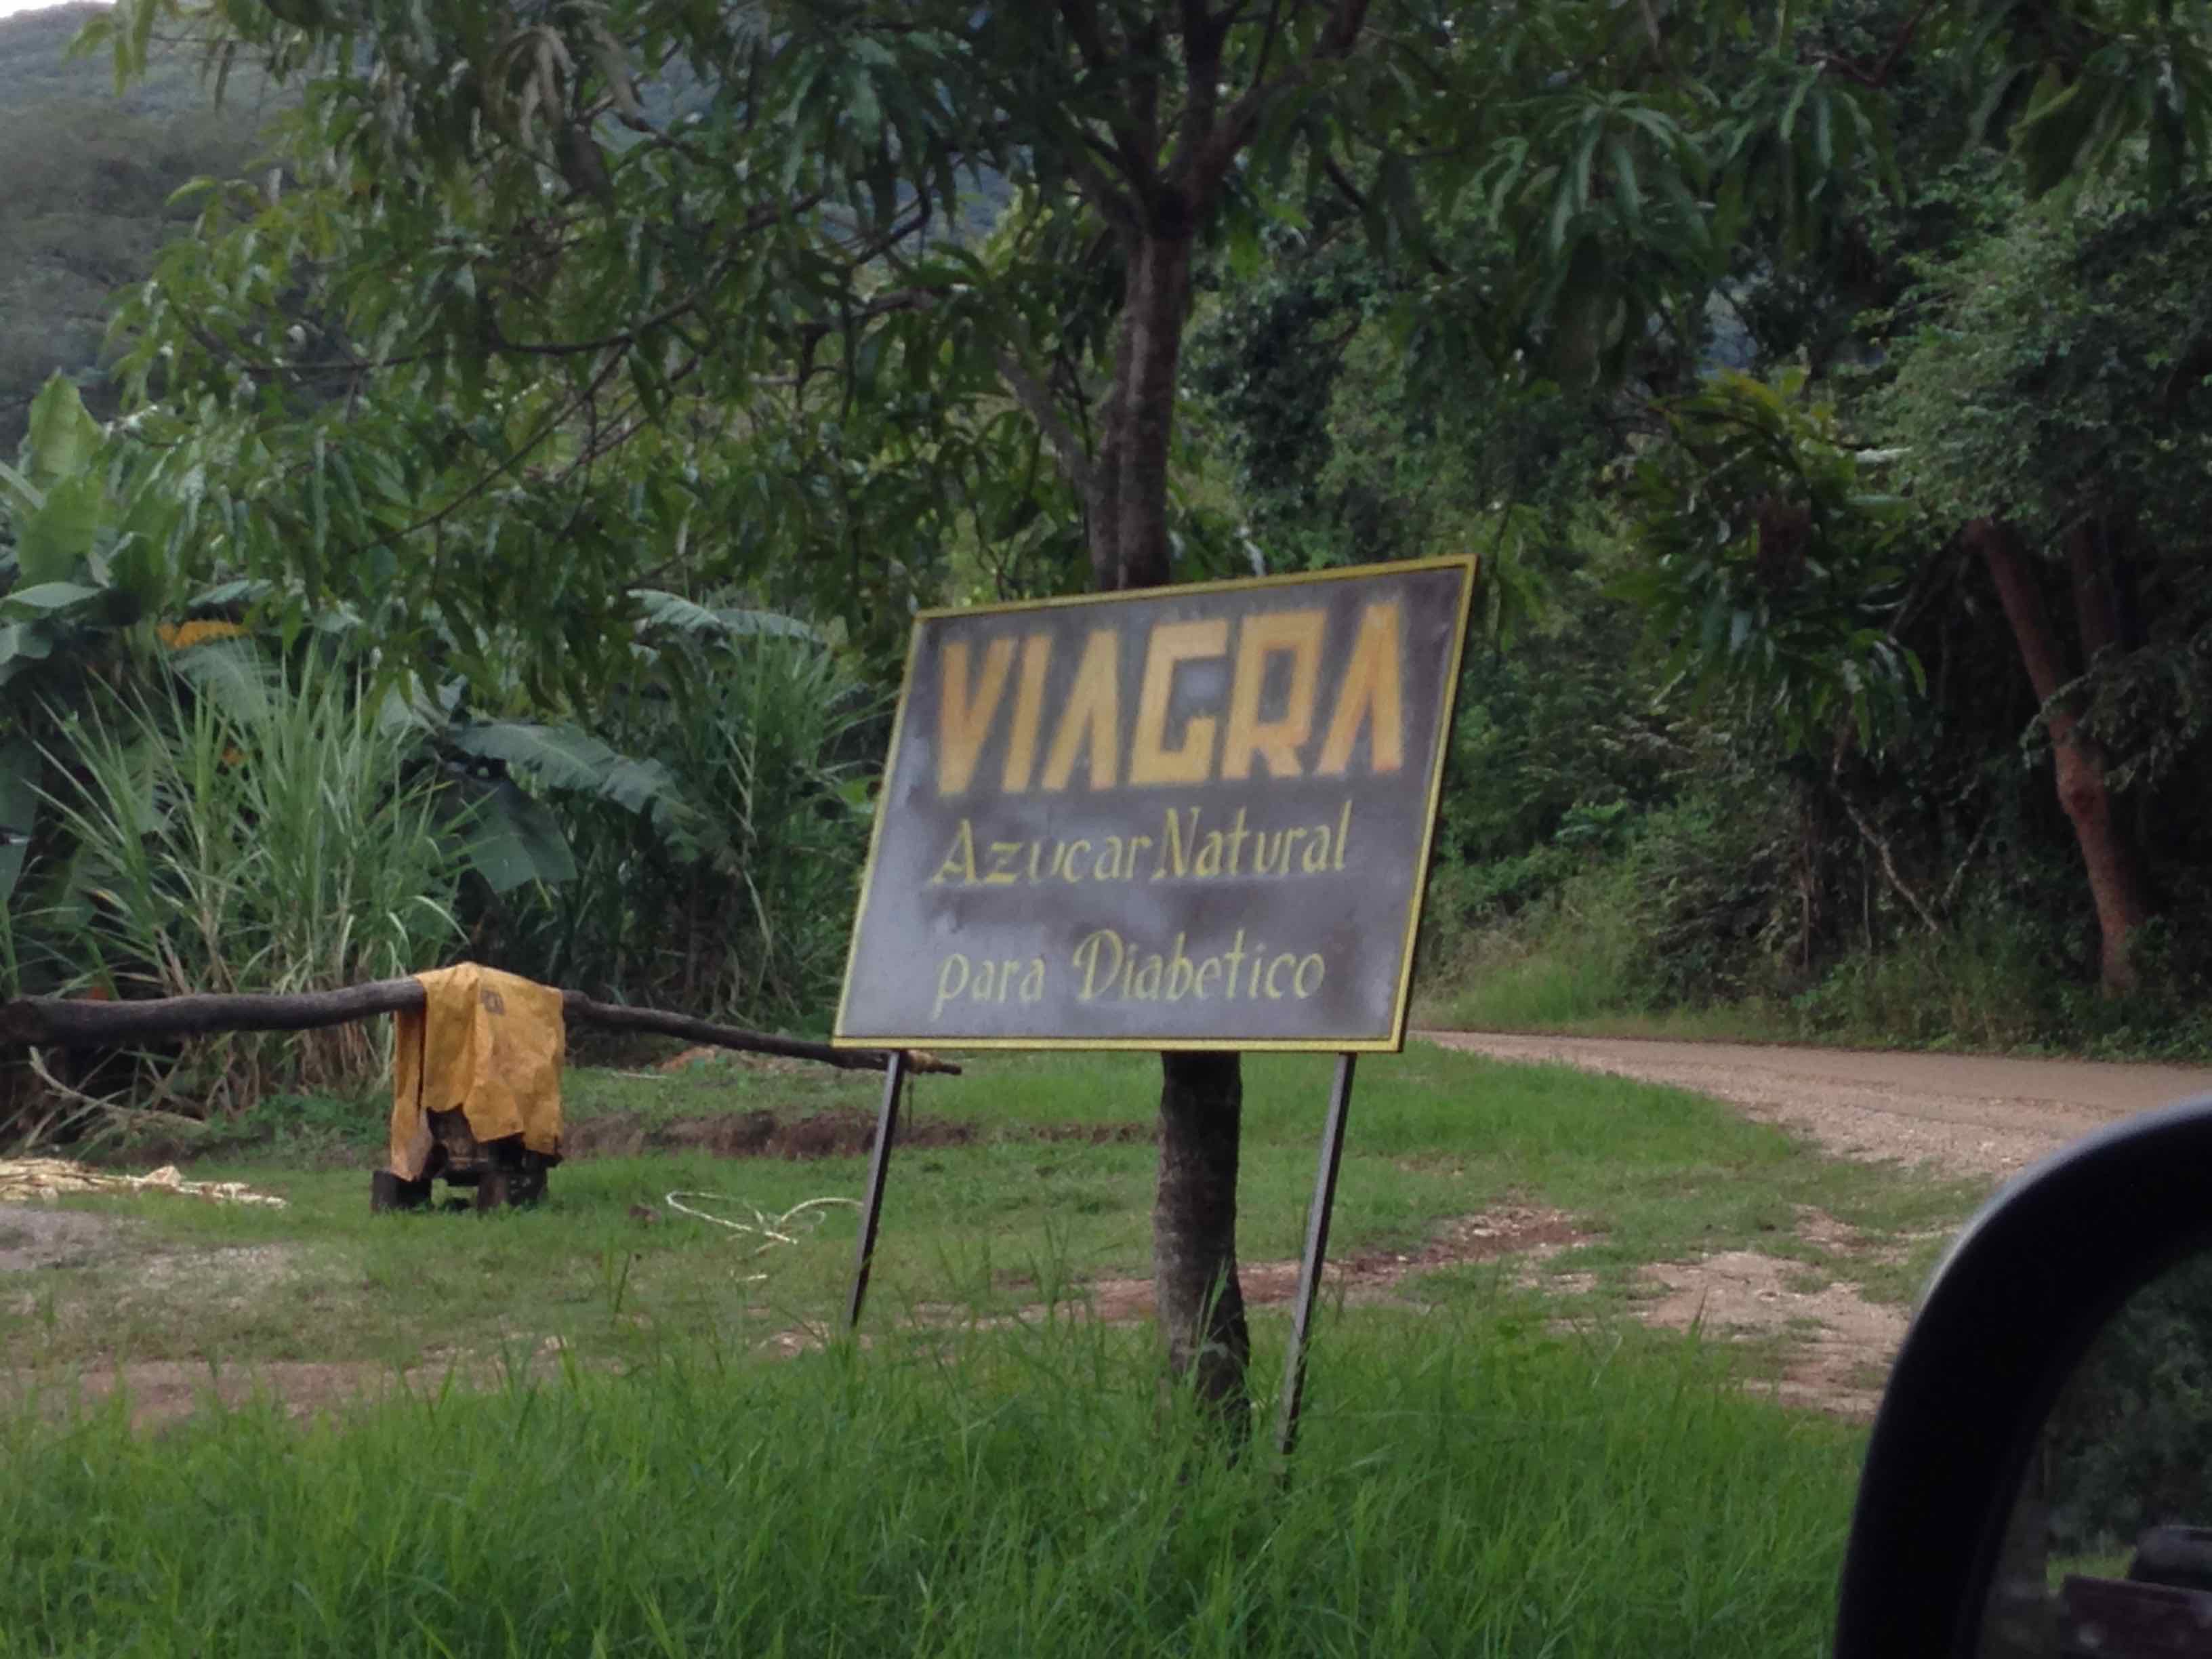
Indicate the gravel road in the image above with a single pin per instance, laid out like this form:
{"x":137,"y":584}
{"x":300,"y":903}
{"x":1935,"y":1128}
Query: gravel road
{"x":1966,"y":1114}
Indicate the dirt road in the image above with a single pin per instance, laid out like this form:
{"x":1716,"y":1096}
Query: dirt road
{"x":1967,"y":1114}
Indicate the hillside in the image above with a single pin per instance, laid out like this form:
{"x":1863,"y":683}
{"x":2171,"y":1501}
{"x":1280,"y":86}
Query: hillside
{"x":84,"y":197}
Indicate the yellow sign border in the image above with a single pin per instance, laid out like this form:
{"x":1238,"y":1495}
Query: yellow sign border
{"x":1395,"y":1043}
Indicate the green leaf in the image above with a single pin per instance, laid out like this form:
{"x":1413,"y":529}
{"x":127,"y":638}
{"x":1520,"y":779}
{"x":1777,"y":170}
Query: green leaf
{"x":673,"y":611}
{"x":232,"y":674}
{"x":515,"y":839}
{"x":50,"y":542}
{"x":769,"y":623}
{"x":20,"y":770}
{"x":1563,"y":213}
{"x":565,"y":757}
{"x":21,"y":642}
{"x":1624,"y":174}
{"x":245,"y":590}
{"x":27,"y":495}
{"x":63,"y":436}
{"x":43,"y":598}
{"x":14,"y":850}
{"x":664,"y":610}
{"x":1789,"y":123}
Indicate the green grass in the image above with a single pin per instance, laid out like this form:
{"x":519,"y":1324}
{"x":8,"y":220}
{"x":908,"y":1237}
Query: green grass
{"x":1650,"y":1174}
{"x":1468,"y":1484}
{"x":593,"y":1443}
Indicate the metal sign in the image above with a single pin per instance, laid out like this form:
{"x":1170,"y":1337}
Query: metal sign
{"x":1184,"y":817}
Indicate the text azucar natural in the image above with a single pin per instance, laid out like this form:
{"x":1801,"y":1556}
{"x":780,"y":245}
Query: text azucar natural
{"x":1186,"y":847}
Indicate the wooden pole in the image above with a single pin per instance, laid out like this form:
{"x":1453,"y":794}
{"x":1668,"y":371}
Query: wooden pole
{"x":68,"y":1022}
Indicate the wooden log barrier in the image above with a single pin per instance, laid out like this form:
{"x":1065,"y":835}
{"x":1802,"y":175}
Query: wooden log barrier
{"x":66,"y":1022}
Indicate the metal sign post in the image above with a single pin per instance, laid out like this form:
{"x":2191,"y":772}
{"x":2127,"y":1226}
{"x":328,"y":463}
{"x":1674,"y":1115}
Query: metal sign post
{"x":872,"y":1212}
{"x":1316,"y":1252}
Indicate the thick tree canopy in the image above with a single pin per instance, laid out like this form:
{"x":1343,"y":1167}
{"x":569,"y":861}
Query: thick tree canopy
{"x":717,"y":283}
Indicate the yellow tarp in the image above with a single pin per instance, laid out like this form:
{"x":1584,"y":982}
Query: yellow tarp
{"x":487,"y":1045}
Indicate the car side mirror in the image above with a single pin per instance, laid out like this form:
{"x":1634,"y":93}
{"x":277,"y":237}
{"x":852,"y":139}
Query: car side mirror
{"x":2038,"y":1479}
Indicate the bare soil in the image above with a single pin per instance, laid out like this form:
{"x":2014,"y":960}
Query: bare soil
{"x":839,"y":1133}
{"x":1831,"y":1346}
{"x":1965,"y":1115}
{"x":1836,"y":1345}
{"x":36,"y":1236}
{"x":161,"y":1392}
{"x":1527,"y":1233}
{"x":1962,"y":1116}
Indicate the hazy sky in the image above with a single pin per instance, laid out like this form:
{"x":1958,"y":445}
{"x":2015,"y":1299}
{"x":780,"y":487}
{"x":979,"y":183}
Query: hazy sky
{"x":10,"y":7}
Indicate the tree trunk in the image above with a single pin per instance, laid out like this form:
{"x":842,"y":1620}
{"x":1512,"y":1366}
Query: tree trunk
{"x":2116,"y":879}
{"x":1195,"y":1289}
{"x":1196,"y":1295}
{"x":1129,"y":491}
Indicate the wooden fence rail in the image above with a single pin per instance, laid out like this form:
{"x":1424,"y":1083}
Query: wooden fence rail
{"x":68,"y":1022}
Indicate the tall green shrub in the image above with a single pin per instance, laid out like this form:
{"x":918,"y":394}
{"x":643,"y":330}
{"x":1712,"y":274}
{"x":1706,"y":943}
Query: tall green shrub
{"x":731,"y":893}
{"x":234,"y":831}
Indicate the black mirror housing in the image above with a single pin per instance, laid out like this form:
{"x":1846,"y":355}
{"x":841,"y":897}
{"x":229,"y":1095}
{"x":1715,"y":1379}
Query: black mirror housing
{"x":2003,"y":1322}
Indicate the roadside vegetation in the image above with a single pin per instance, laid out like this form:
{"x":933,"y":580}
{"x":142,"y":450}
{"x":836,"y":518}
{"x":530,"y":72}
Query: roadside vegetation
{"x":1469,"y":1483}
{"x":606,"y":1423}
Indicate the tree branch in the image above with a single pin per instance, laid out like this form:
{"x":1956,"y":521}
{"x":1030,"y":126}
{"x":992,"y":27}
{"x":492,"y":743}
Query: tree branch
{"x":1878,"y":77}
{"x":1081,"y":17}
{"x":1134,"y":141}
{"x":1888,"y":864}
{"x":1208,"y":162}
{"x":1037,"y":402}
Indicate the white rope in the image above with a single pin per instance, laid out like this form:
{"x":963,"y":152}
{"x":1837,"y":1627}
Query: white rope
{"x":771,"y":1230}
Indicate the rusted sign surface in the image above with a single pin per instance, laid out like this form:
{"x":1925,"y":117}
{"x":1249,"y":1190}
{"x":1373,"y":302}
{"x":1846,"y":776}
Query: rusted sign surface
{"x":1184,"y":817}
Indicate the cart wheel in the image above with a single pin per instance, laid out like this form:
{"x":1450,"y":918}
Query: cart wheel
{"x":388,"y":1192}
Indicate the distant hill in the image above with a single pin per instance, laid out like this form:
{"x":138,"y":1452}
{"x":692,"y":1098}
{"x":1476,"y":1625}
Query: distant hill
{"x":35,"y":69}
{"x":84,"y":193}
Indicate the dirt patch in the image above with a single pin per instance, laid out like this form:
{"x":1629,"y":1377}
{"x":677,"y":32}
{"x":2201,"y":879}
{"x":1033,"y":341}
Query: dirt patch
{"x":1087,"y":1134}
{"x":1819,"y":1228}
{"x":737,"y":1060}
{"x":1835,"y":1347}
{"x":1838,"y":1344}
{"x":34,"y":1236}
{"x":159,"y":1392}
{"x":1526,"y":1232}
{"x":838,"y":1132}
{"x":841,"y":1132}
